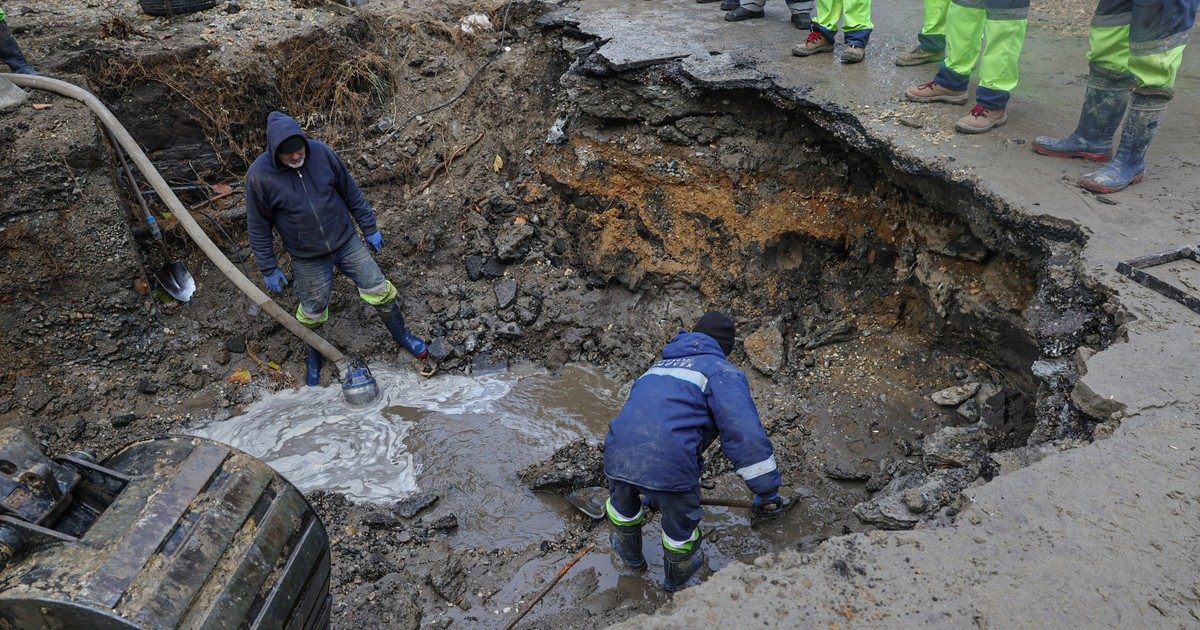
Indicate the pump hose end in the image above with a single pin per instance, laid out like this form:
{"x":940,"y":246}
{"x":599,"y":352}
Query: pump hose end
{"x":358,"y":386}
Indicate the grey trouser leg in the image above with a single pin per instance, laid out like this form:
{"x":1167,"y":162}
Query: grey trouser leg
{"x":802,"y":7}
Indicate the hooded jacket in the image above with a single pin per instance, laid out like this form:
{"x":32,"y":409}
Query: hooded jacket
{"x":676,"y":409}
{"x":311,"y":207}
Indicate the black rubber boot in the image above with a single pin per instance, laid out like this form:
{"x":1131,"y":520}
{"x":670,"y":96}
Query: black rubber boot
{"x":1104,"y":106}
{"x":729,"y":5}
{"x":802,"y":21}
{"x":679,"y":567}
{"x":627,"y":543}
{"x":741,"y":13}
{"x":10,"y":53}
{"x":1128,"y":166}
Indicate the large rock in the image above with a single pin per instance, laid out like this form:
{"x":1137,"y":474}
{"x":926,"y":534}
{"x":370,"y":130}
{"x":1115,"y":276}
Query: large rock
{"x":764,"y":348}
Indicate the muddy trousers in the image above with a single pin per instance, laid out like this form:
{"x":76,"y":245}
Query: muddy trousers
{"x":855,"y":16}
{"x":968,"y":22}
{"x":681,"y":512}
{"x":933,"y":27}
{"x":314,"y":285}
{"x":1142,"y":40}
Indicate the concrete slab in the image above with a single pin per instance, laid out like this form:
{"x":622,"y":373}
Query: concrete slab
{"x":1104,"y":535}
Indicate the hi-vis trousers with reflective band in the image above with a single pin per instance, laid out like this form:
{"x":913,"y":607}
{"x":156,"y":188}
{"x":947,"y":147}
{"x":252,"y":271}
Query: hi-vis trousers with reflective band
{"x":314,"y":281}
{"x":855,"y":16}
{"x":1145,"y":39}
{"x":968,"y":23}
{"x":933,"y":26}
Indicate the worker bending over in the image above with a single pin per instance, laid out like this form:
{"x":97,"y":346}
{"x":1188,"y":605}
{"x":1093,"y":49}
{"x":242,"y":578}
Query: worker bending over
{"x":653,"y":450}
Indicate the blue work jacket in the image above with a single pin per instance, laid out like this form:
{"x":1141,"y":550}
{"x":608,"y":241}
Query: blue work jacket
{"x":676,"y":409}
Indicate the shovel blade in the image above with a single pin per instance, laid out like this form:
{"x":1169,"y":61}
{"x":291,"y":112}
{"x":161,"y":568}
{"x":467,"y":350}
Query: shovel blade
{"x":590,"y":501}
{"x":177,"y":281}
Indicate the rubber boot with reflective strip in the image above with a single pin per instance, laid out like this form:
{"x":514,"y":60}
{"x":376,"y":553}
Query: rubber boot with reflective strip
{"x":1128,"y":166}
{"x":1104,"y":106}
{"x":680,"y":566}
{"x":394,"y":321}
{"x":627,"y":543}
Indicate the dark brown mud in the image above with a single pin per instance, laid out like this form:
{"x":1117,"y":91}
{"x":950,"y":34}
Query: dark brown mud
{"x":861,"y":284}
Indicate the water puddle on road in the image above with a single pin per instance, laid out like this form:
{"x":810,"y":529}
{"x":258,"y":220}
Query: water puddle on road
{"x":463,"y":438}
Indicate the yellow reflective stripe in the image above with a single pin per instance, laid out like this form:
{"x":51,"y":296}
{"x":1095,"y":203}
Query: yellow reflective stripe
{"x":303,"y":317}
{"x":1109,"y":47}
{"x":623,"y":521}
{"x":681,"y":546}
{"x":378,"y":299}
{"x":1157,"y":70}
{"x":998,"y":68}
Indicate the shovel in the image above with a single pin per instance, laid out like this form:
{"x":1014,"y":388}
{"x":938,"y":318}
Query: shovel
{"x":173,"y":277}
{"x":591,"y":501}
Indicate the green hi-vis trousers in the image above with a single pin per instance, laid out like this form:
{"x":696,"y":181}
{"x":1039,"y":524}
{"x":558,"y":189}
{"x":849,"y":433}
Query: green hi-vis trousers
{"x":968,"y":23}
{"x":855,"y":16}
{"x":933,"y":27}
{"x":1145,"y":39}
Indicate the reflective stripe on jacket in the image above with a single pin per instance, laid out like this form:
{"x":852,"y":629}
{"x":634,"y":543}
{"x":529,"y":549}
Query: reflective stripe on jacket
{"x":676,"y":409}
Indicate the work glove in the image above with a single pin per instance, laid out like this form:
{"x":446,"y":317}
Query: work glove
{"x":276,"y":282}
{"x":375,"y":240}
{"x":768,"y":501}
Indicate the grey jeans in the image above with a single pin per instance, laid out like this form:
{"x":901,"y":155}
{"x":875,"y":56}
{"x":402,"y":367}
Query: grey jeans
{"x":314,"y":279}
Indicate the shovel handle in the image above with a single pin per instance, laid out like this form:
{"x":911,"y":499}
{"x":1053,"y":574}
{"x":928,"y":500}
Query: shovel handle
{"x":733,"y":503}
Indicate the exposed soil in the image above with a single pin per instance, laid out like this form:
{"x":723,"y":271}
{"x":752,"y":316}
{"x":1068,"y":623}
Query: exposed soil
{"x":861,"y":286}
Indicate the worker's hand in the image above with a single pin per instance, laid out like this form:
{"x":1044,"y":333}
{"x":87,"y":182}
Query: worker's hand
{"x":375,"y":240}
{"x":768,"y":501}
{"x":276,"y":282}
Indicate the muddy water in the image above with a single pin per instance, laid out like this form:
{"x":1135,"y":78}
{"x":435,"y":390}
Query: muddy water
{"x":461,"y":437}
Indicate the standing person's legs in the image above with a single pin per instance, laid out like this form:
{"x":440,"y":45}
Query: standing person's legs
{"x":824,"y":26}
{"x":964,"y":35}
{"x":10,"y":51}
{"x":802,"y":12}
{"x":314,"y":284}
{"x":1157,"y":36}
{"x":1004,"y":30}
{"x":931,"y":41}
{"x":356,"y":262}
{"x":857,"y":26}
{"x":682,"y":556}
{"x":1109,"y":86}
{"x":626,"y":514}
{"x":747,"y":10}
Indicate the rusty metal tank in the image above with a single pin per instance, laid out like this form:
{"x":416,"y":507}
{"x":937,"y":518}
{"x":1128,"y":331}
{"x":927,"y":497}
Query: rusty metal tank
{"x":164,"y":533}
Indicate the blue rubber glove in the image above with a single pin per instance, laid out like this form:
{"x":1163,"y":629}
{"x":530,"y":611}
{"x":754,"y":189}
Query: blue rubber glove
{"x":276,"y":282}
{"x":769,"y":501}
{"x":375,"y":240}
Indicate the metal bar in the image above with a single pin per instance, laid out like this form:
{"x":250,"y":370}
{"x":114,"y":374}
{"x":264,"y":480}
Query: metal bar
{"x":1133,"y":269}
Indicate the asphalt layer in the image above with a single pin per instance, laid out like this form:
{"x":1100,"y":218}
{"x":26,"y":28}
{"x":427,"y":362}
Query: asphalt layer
{"x":1103,"y":535}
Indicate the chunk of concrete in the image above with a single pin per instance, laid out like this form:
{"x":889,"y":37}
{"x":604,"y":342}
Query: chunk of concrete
{"x":955,"y":396}
{"x":764,"y":348}
{"x":11,"y":96}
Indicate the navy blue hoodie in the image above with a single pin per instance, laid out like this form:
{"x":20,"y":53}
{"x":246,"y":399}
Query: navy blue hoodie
{"x":676,"y":409}
{"x":311,"y":207}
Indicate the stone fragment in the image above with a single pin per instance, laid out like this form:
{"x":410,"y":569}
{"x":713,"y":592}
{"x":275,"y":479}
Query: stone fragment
{"x":954,"y":396}
{"x":493,"y":268}
{"x":955,"y":447}
{"x":447,"y":579}
{"x":411,"y":506}
{"x":764,"y":348}
{"x":506,"y":293}
{"x":445,"y":523}
{"x":236,"y":343}
{"x":513,"y":242}
{"x":475,"y":267}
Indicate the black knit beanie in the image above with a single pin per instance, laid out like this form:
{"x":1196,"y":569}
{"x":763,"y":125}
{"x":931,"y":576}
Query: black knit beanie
{"x":719,"y":326}
{"x":290,"y":145}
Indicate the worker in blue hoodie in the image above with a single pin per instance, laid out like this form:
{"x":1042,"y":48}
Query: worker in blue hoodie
{"x":652,"y":454}
{"x":301,"y":189}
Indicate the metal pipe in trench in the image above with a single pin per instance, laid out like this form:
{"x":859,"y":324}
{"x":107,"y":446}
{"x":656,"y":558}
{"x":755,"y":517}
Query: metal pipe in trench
{"x":210,"y":249}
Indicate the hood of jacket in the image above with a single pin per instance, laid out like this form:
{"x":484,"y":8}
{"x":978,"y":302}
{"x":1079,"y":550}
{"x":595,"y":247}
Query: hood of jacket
{"x":689,"y":344}
{"x":280,"y":127}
